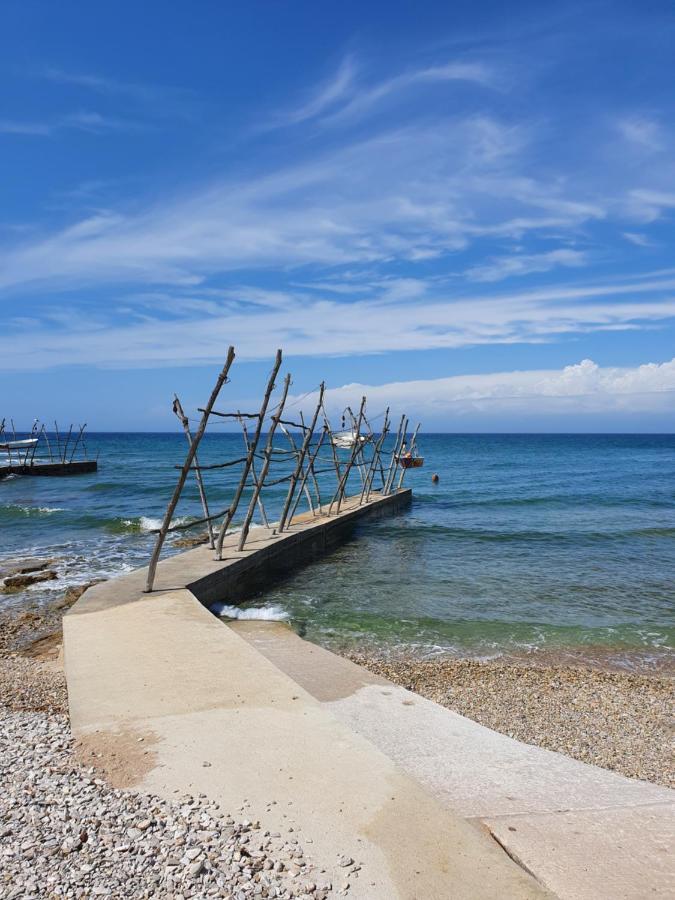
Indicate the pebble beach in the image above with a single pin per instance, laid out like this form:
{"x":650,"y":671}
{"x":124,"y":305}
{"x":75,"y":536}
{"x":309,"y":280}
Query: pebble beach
{"x":66,"y":832}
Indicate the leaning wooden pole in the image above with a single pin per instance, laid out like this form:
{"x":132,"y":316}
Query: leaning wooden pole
{"x":229,"y":515}
{"x":377,"y":449}
{"x":355,"y":450}
{"x":267,"y":457}
{"x":413,"y":444}
{"x":391,"y":471}
{"x":310,"y":467}
{"x":183,"y":419}
{"x":261,"y":508}
{"x":173,"y":502}
{"x":309,"y":432}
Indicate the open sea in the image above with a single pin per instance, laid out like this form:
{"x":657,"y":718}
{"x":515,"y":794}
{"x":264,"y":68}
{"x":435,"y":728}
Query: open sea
{"x":562,"y":544}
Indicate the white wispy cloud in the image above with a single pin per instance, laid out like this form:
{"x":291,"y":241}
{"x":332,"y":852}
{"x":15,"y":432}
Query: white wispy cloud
{"x":395,"y":316}
{"x":327,"y":94}
{"x":82,"y":120}
{"x":639,"y":240}
{"x":502,"y":267}
{"x":578,"y":389}
{"x":12,"y":126}
{"x":408,"y":194}
{"x":642,"y":132}
{"x":365,"y":98}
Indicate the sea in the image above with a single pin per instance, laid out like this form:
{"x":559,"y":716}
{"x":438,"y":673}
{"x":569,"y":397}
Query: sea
{"x":558,"y":546}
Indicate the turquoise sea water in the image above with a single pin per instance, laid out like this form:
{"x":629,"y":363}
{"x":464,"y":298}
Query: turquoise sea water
{"x":556,"y":542}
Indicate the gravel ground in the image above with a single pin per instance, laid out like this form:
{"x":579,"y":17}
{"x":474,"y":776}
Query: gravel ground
{"x":66,"y":833}
{"x":615,"y":720}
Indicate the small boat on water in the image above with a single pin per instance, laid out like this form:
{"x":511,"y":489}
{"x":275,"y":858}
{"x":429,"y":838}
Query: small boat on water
{"x":18,"y":445}
{"x":345,"y":440}
{"x":408,"y":461}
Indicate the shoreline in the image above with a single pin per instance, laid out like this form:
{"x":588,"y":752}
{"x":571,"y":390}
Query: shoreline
{"x":586,"y":707}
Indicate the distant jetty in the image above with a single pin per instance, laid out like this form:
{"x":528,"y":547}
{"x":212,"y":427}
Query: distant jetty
{"x":40,"y":452}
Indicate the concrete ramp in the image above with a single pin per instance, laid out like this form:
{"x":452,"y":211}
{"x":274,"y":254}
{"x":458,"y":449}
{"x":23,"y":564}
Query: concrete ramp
{"x":164,"y":670}
{"x":583,"y":831}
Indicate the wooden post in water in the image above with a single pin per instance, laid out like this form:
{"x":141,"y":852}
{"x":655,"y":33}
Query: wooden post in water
{"x":267,"y":456}
{"x":178,"y":412}
{"x":168,"y":515}
{"x":229,"y":515}
{"x":301,"y":458}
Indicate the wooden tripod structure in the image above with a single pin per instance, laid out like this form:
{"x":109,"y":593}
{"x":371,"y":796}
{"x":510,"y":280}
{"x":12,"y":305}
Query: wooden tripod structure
{"x":302,"y":464}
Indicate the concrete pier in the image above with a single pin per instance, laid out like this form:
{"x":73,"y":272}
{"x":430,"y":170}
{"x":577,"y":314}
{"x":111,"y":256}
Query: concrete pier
{"x":430,"y":803}
{"x":160,"y":667}
{"x":59,"y":469}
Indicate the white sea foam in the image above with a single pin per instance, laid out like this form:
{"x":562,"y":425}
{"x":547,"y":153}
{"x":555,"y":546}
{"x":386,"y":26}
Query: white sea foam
{"x":147,"y":523}
{"x":33,"y":510}
{"x":264,"y":613}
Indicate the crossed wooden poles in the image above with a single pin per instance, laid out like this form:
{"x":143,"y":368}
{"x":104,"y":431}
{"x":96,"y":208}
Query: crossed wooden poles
{"x":306,"y":457}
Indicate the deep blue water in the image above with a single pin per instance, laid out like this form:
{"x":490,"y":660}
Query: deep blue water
{"x":547,"y":541}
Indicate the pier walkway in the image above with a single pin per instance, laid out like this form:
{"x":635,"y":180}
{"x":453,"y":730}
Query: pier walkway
{"x":252,"y":716}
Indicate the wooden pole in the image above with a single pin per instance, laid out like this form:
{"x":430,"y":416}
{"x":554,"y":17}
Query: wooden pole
{"x":49,"y":446}
{"x":392,"y":464}
{"x":227,"y":521}
{"x":355,"y":449}
{"x":311,"y":471}
{"x":413,"y":443}
{"x":305,"y":474}
{"x":173,"y":502}
{"x":77,"y":440}
{"x":178,"y":411}
{"x":296,"y":453}
{"x":365,"y":493}
{"x":65,"y":446}
{"x":301,"y":458}
{"x":265,"y":466}
{"x":261,"y":508}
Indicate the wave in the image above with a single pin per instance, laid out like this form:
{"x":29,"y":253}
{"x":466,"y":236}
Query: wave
{"x":30,"y":511}
{"x":261,"y":613}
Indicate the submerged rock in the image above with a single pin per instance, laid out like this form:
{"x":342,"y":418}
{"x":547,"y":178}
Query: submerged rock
{"x":24,"y":565}
{"x":13,"y":583}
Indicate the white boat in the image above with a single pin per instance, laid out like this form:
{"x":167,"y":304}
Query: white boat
{"x":18,"y":445}
{"x":345,"y":440}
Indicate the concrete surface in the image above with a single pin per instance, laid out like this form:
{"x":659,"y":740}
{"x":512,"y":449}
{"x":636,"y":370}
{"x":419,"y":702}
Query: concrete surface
{"x":585,"y":832}
{"x":158,"y":686}
{"x":163,"y":669}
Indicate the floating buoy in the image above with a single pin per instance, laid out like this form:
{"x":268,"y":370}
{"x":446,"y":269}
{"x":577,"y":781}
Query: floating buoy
{"x":435,"y":478}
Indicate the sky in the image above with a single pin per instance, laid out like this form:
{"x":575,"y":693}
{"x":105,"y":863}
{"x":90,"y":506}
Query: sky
{"x":463,"y":210}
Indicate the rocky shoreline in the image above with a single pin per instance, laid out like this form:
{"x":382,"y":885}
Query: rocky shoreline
{"x":618,"y":720}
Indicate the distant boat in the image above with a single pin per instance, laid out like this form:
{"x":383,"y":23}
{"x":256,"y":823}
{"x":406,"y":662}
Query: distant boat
{"x":345,"y":440}
{"x":18,"y":445}
{"x":408,"y":461}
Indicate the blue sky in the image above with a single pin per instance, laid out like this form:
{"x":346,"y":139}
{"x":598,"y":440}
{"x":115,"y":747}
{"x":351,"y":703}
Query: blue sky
{"x":469,"y":213}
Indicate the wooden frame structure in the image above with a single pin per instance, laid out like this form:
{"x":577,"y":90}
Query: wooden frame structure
{"x":310,"y":465}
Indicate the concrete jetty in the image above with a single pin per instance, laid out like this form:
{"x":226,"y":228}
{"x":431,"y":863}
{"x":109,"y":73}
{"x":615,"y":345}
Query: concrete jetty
{"x":426,"y":801}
